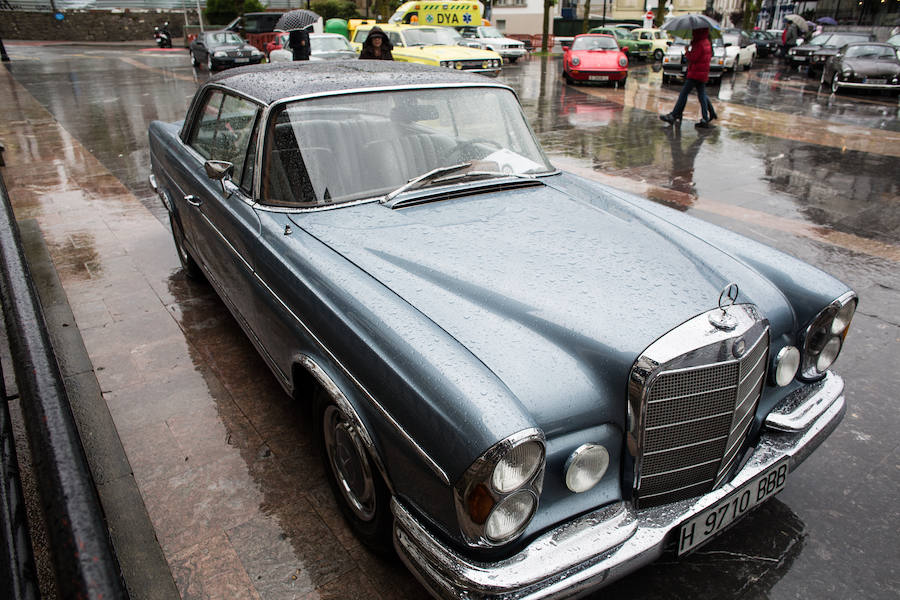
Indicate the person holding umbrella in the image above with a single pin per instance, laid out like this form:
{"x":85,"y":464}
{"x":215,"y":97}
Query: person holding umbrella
{"x":698,"y":55}
{"x":297,"y":22}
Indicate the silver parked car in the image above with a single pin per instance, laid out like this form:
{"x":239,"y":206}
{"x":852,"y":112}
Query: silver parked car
{"x":490,"y":38}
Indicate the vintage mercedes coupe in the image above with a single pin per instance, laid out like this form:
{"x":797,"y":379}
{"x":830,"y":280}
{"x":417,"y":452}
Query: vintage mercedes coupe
{"x":529,"y":384}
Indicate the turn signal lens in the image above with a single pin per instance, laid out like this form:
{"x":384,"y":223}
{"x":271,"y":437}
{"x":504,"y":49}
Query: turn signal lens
{"x":517,"y":466}
{"x":586,"y":467}
{"x":842,"y":319}
{"x":510,"y":516}
{"x":480,"y":504}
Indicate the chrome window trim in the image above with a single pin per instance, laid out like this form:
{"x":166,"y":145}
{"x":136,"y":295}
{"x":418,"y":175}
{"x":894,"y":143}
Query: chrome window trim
{"x":269,"y":109}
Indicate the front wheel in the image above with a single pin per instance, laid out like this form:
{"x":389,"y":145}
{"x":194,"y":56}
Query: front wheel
{"x":835,"y":83}
{"x":209,"y":63}
{"x":658,"y":54}
{"x":357,"y":486}
{"x":513,"y":59}
{"x":749,"y":65}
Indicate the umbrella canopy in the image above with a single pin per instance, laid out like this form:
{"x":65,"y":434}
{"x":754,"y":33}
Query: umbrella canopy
{"x":296,"y":19}
{"x":682,"y":25}
{"x":826,"y":21}
{"x":798,"y":21}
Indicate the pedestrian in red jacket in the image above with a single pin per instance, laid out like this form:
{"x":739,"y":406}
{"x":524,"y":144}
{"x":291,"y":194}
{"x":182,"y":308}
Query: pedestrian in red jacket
{"x":698,"y":55}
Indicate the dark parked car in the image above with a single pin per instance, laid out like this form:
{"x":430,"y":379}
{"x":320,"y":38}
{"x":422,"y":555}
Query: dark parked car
{"x":829,"y":41}
{"x":864,"y":65}
{"x":527,"y":382}
{"x":766,"y":43}
{"x":222,"y":49}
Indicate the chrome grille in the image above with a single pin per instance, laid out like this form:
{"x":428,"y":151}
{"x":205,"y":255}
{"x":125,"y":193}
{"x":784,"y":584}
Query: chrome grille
{"x":694,"y":418}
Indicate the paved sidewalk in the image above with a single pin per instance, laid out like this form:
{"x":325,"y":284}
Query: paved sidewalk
{"x":223,"y":461}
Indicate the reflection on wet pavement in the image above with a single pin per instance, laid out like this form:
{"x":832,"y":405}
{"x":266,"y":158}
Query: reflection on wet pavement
{"x":224,"y":459}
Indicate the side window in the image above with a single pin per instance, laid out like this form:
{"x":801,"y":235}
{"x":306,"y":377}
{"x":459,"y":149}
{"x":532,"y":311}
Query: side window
{"x":236,"y":121}
{"x":205,"y":130}
{"x":360,"y":35}
{"x":246,"y":181}
{"x":395,"y":38}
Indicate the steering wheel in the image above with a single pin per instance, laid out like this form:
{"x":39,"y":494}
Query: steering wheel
{"x":473,"y":149}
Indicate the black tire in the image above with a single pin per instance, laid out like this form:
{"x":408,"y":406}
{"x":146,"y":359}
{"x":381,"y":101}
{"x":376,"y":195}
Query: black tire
{"x":749,"y":65}
{"x":358,"y":488}
{"x":658,"y":54}
{"x":209,"y":63}
{"x":188,"y":264}
{"x":512,"y":59}
{"x":568,"y":79}
{"x":835,"y":79}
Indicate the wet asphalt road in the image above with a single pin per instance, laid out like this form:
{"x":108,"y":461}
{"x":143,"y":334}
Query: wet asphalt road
{"x":811,"y":173}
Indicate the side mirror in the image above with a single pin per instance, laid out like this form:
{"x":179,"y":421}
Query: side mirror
{"x":668,"y":42}
{"x":220,"y":170}
{"x":624,"y":49}
{"x":565,"y":48}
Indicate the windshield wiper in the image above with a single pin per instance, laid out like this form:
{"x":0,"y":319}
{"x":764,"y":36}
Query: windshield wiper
{"x":446,"y":175}
{"x":424,"y":179}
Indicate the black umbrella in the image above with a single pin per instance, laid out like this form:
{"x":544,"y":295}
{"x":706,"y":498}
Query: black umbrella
{"x":296,"y":19}
{"x":682,"y":25}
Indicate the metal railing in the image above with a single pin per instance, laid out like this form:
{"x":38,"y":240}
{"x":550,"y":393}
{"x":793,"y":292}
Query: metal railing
{"x":80,"y":548}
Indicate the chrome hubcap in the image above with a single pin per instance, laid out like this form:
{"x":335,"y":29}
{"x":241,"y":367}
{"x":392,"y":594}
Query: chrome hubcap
{"x":349,"y":463}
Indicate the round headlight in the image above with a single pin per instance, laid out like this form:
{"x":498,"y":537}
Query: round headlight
{"x":510,"y":516}
{"x":623,"y":62}
{"x":824,"y":337}
{"x":586,"y":467}
{"x":517,"y":466}
{"x":828,"y":354}
{"x":576,"y":61}
{"x":786,"y":364}
{"x":842,"y":319}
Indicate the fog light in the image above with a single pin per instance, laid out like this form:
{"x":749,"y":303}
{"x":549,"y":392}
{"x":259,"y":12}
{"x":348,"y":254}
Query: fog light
{"x":510,"y":516}
{"x":586,"y":467}
{"x":786,"y":364}
{"x":458,"y":65}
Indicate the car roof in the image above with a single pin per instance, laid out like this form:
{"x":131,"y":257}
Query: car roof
{"x":884,"y":44}
{"x":595,"y":35}
{"x":272,"y":82}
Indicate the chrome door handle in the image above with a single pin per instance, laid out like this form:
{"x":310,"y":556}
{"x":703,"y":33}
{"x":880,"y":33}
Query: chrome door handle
{"x":193,"y":200}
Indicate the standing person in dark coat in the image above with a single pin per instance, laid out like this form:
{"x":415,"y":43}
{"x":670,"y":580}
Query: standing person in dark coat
{"x":698,"y":55}
{"x":299,"y":43}
{"x":377,"y":46}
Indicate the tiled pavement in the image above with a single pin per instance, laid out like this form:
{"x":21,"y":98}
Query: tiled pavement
{"x":222,"y":458}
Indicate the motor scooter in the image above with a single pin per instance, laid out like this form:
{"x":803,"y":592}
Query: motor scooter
{"x":162,"y":36}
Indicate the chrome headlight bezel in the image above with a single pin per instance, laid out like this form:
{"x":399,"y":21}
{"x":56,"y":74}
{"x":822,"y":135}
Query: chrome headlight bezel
{"x":576,"y":61}
{"x":478,"y":496}
{"x":826,"y":332}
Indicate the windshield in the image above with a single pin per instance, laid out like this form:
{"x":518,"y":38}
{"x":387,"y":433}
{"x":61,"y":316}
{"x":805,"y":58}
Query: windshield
{"x":839,"y":41}
{"x":871,"y":52}
{"x":624,"y":34}
{"x":819,"y":39}
{"x":329,"y":44}
{"x":490,"y":32}
{"x":223,"y":37}
{"x":431,"y":36}
{"x":341,"y":148}
{"x":594,"y":42}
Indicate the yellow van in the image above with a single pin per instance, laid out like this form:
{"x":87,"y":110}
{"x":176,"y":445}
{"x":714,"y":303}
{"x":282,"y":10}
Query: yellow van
{"x":449,"y":14}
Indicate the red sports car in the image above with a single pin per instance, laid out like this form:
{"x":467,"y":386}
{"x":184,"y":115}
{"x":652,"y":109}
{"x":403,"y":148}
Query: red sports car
{"x":594,"y":57}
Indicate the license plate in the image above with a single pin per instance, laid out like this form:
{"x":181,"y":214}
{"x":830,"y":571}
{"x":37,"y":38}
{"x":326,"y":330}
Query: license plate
{"x":237,"y":60}
{"x":731,"y":508}
{"x":876,"y":81}
{"x":800,"y":58}
{"x":599,"y":77}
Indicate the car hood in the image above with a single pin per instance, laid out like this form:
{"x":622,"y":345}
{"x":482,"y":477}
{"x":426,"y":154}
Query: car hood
{"x":557,"y":289}
{"x":445,"y":52}
{"x":869,"y":67}
{"x":231,"y":48}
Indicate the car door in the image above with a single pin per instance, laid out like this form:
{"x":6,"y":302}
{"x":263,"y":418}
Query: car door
{"x":221,"y":219}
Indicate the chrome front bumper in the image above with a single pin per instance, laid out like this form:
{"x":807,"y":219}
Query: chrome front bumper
{"x":600,"y":547}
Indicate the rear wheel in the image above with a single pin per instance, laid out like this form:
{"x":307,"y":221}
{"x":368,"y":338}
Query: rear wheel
{"x":188,"y":264}
{"x":358,"y":487}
